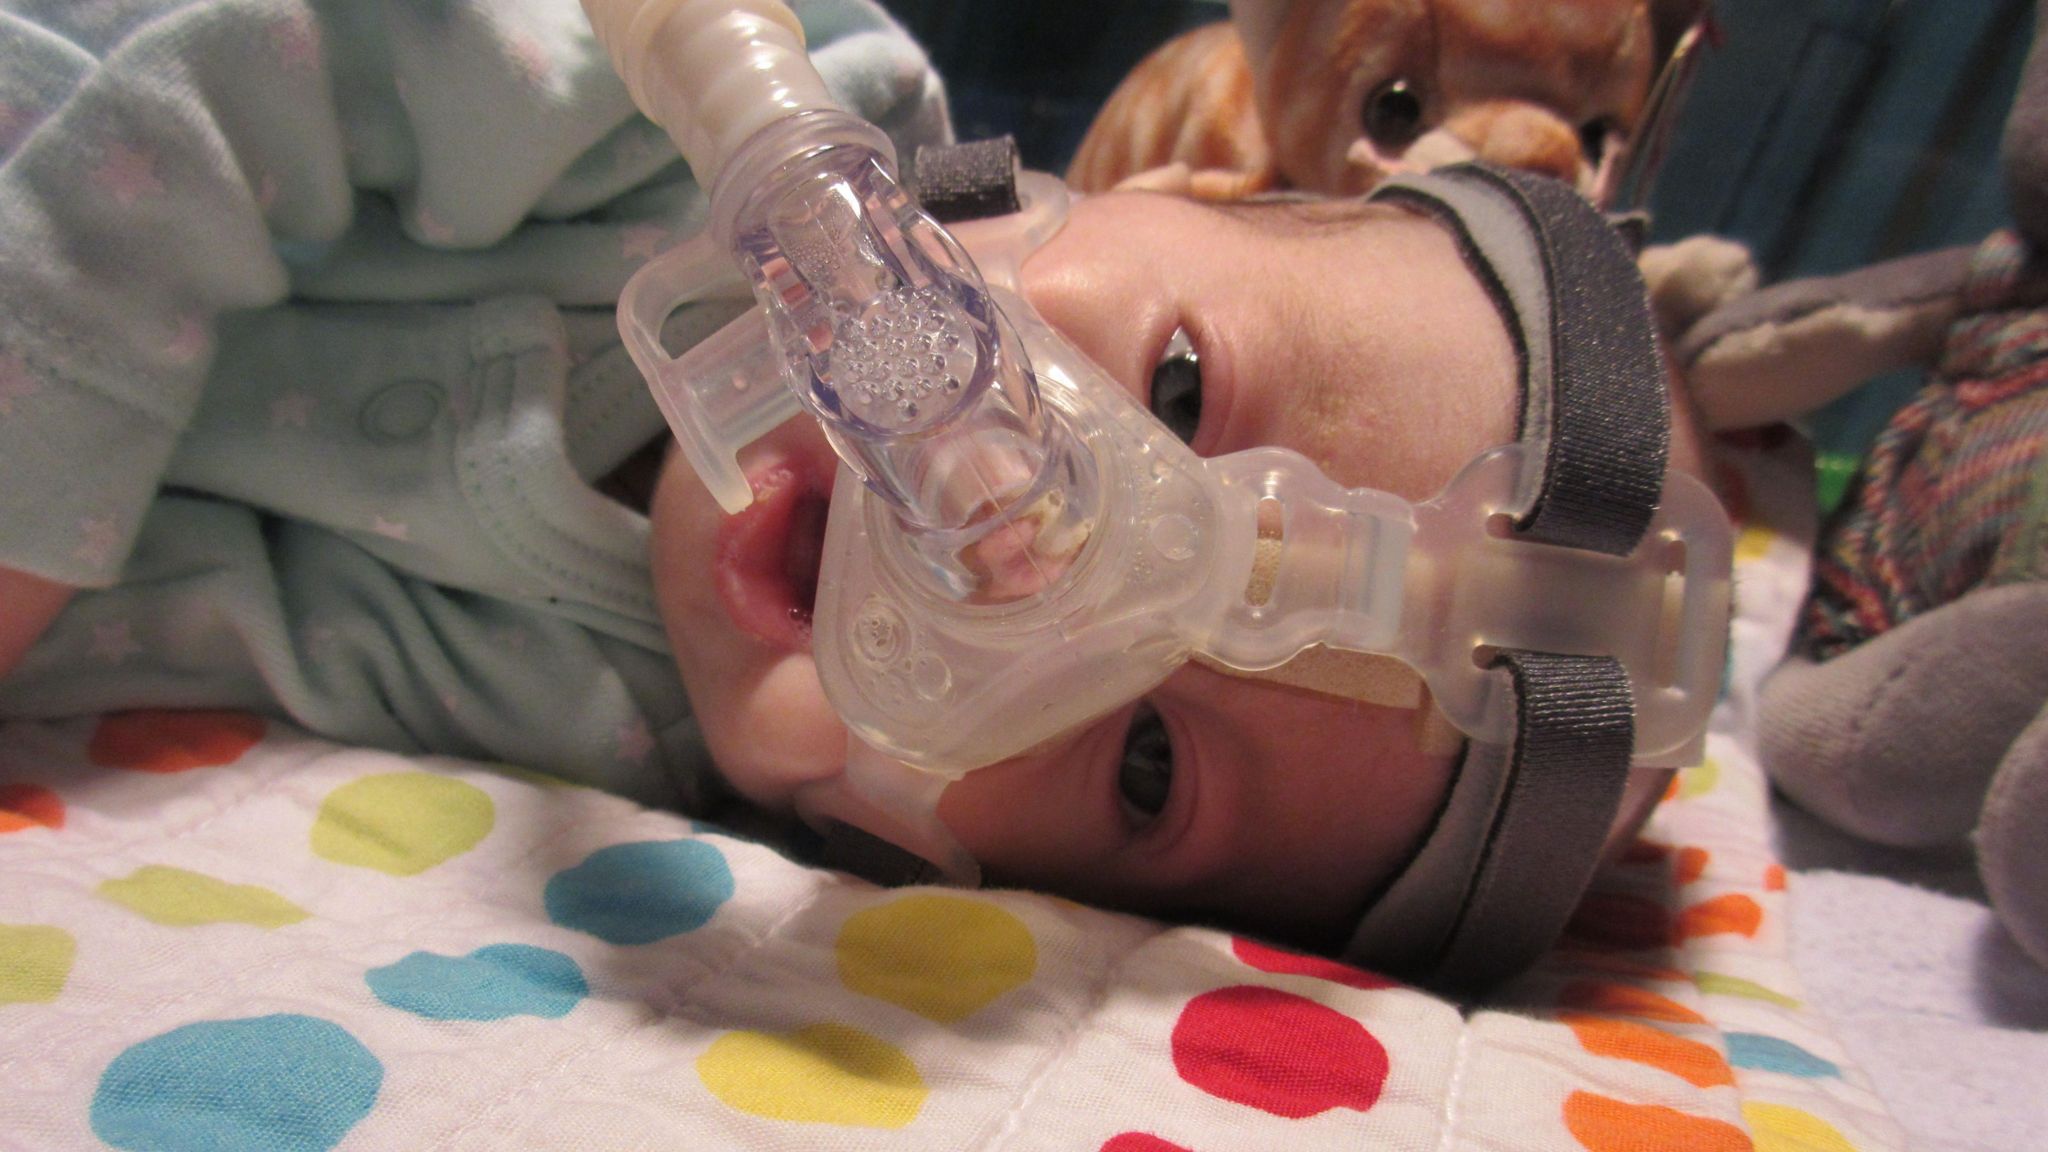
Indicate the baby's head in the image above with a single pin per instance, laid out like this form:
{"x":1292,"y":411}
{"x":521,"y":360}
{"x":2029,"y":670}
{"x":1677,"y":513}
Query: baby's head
{"x":1352,"y":333}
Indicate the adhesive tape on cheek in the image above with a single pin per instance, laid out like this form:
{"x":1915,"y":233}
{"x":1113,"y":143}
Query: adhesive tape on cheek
{"x":1362,"y":676}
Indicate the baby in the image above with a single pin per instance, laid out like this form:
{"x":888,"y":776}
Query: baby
{"x":1353,"y":333}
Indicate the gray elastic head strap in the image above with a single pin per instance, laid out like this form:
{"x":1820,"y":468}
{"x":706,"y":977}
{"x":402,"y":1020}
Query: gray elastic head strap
{"x":1521,"y":831}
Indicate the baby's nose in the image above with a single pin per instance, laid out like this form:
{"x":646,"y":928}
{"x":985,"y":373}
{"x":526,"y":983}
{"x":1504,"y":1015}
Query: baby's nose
{"x":1518,"y":135}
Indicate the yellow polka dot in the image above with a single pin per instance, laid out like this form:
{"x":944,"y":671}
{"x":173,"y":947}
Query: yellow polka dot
{"x":942,"y":957}
{"x":1698,"y":780}
{"x":823,"y":1074}
{"x":35,"y":960}
{"x":182,"y":899}
{"x":1717,"y":984}
{"x":1782,"y":1128}
{"x":402,"y":823}
{"x":1752,"y":542}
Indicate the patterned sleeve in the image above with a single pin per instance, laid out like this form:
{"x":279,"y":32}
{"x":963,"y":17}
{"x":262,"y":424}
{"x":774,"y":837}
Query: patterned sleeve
{"x":165,"y":161}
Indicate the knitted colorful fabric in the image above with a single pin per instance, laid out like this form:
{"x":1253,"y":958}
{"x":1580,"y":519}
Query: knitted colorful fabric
{"x":1954,"y":495}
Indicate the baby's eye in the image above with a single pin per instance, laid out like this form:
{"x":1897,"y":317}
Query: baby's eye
{"x":1144,"y":781}
{"x":1177,"y":387}
{"x":1392,"y":116}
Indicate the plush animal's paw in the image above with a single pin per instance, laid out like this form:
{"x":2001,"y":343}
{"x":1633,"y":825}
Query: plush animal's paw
{"x":1896,"y":740}
{"x":1175,"y":179}
{"x":2010,"y":840}
{"x":1693,"y":277}
{"x":1200,"y":183}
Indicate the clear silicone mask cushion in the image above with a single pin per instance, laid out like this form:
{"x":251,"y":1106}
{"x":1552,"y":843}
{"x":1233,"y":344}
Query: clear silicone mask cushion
{"x":1016,"y":547}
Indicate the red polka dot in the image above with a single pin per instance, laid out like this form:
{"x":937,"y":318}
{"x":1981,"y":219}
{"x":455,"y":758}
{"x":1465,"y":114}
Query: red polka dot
{"x":1140,"y":1142}
{"x":173,"y":741}
{"x":1692,"y":864}
{"x":1618,"y":920}
{"x":1774,"y":878}
{"x":1269,"y":959}
{"x":1731,"y":915}
{"x":1277,"y":1052}
{"x":29,"y":806}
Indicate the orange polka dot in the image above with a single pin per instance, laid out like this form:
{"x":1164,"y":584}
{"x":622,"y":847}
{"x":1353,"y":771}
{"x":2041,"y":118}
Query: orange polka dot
{"x":1603,"y":1124}
{"x":156,"y":740}
{"x":1614,"y":964}
{"x":1624,"y":1000}
{"x":1734,"y":914}
{"x":1619,"y":920}
{"x":29,"y":806}
{"x":1691,"y":865}
{"x":1774,"y":878}
{"x":1696,"y":1063}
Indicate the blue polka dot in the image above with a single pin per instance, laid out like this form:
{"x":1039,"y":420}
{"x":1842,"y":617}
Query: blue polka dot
{"x":263,"y":1084}
{"x":488,"y":984}
{"x":640,"y":893}
{"x":1770,"y":1054}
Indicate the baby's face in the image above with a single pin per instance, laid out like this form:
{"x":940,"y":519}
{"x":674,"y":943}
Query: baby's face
{"x":1352,"y":334}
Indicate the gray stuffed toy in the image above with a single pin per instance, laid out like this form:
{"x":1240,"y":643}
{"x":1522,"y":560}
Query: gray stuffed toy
{"x":1913,"y":710}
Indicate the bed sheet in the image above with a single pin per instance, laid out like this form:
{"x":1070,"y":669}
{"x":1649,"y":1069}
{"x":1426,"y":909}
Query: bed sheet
{"x":218,"y":932}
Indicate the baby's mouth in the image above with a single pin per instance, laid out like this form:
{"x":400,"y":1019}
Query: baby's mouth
{"x":769,"y":554}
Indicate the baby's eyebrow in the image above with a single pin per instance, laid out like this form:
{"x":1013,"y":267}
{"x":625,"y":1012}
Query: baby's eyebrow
{"x":1308,"y":213}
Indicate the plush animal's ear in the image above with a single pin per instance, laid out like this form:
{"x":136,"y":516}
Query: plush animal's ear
{"x":1258,"y":25}
{"x":2026,"y":140}
{"x":1669,"y":19}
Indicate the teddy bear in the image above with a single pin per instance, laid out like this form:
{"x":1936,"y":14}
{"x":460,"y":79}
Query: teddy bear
{"x":1913,"y":708}
{"x":1334,"y":96}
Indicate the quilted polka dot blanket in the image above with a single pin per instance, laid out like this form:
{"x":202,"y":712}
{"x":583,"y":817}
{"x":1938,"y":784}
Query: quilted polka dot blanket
{"x":220,"y":933}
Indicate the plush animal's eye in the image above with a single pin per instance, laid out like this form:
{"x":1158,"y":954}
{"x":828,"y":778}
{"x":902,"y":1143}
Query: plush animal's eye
{"x":1144,"y":780}
{"x":1393,"y":114}
{"x":1177,"y":387}
{"x":1594,"y":136}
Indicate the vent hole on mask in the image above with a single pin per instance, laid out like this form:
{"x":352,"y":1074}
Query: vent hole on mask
{"x":1266,"y":557}
{"x":1671,"y":611}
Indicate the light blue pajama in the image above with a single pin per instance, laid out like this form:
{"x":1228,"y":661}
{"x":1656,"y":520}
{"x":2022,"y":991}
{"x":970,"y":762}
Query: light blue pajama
{"x":307,"y":364}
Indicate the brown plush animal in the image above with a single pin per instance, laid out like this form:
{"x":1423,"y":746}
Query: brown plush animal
{"x":1334,"y":96}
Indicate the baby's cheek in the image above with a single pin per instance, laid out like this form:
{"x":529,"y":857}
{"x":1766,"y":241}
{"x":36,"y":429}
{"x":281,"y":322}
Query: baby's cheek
{"x":773,"y":732}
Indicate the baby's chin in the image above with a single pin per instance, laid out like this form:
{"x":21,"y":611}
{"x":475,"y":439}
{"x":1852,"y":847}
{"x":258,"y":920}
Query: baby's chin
{"x":777,"y":732}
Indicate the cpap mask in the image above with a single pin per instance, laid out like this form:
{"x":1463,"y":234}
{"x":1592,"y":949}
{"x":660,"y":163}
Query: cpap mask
{"x":1016,"y":547}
